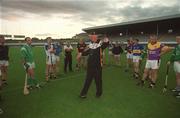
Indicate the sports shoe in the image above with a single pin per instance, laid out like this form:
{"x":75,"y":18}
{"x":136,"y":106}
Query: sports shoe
{"x":4,"y":82}
{"x":178,"y":95}
{"x":141,"y":83}
{"x":174,"y":90}
{"x":1,"y":111}
{"x":38,"y":86}
{"x":0,"y":98}
{"x":151,"y":86}
{"x":29,"y":87}
{"x":126,"y":70}
{"x":98,"y":96}
{"x":83,"y":96}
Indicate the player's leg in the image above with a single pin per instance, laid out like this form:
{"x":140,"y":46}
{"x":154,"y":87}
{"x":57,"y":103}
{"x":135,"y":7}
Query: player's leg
{"x":32,"y":75}
{"x":177,"y":71}
{"x":47,"y":72}
{"x":87,"y":83}
{"x":65,"y":64}
{"x":153,"y":78}
{"x":1,"y":111}
{"x":4,"y":70}
{"x":98,"y":81}
{"x":117,"y":59}
{"x":78,"y":62}
{"x":145,"y":73}
{"x":0,"y":78}
{"x":178,"y":84}
{"x":53,"y":65}
{"x":83,"y":62}
{"x":129,"y":62}
{"x":178,"y":81}
{"x":57,"y":63}
{"x":104,"y":57}
{"x":136,"y":69}
{"x":0,"y":84}
{"x":70,"y":63}
{"x":155,"y":64}
{"x":48,"y":67}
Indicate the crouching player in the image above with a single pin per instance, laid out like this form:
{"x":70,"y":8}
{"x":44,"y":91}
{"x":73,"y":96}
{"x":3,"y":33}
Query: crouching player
{"x":175,"y":58}
{"x":28,"y":62}
{"x":137,"y":51}
{"x":94,"y":66}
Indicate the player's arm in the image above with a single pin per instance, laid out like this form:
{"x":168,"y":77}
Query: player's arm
{"x":166,"y":49}
{"x":85,"y":52}
{"x":23,"y":58}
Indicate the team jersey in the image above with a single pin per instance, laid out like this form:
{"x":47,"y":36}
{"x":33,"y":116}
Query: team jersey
{"x":176,"y":54}
{"x":58,"y":49}
{"x":117,"y":50}
{"x":137,"y":50}
{"x":81,"y":47}
{"x":95,"y":58}
{"x":129,"y":48}
{"x":27,"y":54}
{"x":4,"y":50}
{"x":154,"y":51}
{"x":48,"y":49}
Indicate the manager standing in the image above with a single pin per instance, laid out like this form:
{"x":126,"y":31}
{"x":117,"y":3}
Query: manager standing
{"x":68,"y":57}
{"x":94,"y":65}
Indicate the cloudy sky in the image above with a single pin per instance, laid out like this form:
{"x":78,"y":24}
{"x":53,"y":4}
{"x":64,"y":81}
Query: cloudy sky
{"x":65,"y":18}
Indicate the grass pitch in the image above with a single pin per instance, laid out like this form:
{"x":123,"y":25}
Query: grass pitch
{"x":59,"y":98}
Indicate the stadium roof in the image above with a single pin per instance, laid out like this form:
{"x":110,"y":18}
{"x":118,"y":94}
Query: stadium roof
{"x":133,"y":22}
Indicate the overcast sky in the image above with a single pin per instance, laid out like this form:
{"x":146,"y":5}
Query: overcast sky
{"x":65,"y":18}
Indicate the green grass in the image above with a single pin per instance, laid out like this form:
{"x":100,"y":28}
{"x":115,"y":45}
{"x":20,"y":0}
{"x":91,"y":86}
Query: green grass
{"x":59,"y":99}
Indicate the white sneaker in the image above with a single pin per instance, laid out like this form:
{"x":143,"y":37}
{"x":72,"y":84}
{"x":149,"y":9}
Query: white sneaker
{"x":1,"y":111}
{"x":178,"y":95}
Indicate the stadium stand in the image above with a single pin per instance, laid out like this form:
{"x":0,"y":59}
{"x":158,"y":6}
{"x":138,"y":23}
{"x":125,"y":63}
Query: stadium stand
{"x":166,"y":27}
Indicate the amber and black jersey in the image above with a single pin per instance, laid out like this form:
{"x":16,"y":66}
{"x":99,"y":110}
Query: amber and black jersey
{"x":95,"y":54}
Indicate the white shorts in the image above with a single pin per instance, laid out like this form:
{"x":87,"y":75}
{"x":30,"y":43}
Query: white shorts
{"x":57,"y":58}
{"x":136,"y":59}
{"x":50,"y":60}
{"x":152,"y":64}
{"x":4,"y":63}
{"x":31,"y":65}
{"x":129,"y":56}
{"x":177,"y":66}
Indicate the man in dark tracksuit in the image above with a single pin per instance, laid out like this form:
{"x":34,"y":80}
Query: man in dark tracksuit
{"x":68,"y":57}
{"x":94,"y":65}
